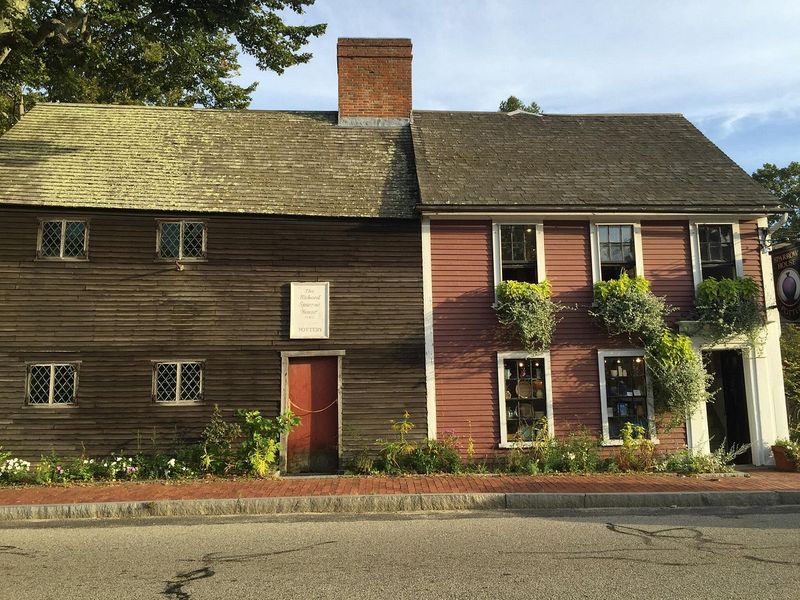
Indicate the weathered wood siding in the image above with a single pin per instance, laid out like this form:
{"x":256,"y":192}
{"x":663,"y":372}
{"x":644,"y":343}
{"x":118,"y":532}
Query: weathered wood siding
{"x":751,"y":255}
{"x":123,"y":309}
{"x":465,"y":338}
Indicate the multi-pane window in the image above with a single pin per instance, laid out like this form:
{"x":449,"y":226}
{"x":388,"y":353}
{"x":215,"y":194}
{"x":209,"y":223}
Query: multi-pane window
{"x":52,"y":384}
{"x":178,"y":381}
{"x":525,"y":399}
{"x":617,"y":251}
{"x":181,"y":240}
{"x":716,"y":251}
{"x":518,"y":250}
{"x":626,"y":398}
{"x":62,"y":239}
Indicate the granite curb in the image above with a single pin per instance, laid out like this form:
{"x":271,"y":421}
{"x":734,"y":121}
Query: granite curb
{"x":392,"y":503}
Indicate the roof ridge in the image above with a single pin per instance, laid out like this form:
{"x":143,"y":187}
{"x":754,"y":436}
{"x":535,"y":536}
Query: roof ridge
{"x":549,"y":114}
{"x":179,"y":108}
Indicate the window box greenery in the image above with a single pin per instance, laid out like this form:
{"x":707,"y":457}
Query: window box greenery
{"x":680,"y":381}
{"x":730,"y":308}
{"x":528,"y":313}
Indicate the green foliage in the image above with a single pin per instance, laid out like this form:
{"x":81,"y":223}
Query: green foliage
{"x":577,"y":453}
{"x":405,"y":456}
{"x":259,"y":451}
{"x":628,"y":306}
{"x":637,"y":452}
{"x":680,"y":380}
{"x":513,"y":103}
{"x":527,"y":312}
{"x":689,"y":462}
{"x":792,"y":449}
{"x":729,"y":307}
{"x":790,"y":350}
{"x":784,"y":183}
{"x":157,"y":52}
{"x":217,"y":440}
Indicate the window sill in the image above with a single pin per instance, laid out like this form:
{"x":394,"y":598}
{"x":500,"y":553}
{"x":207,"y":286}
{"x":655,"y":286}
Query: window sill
{"x":181,"y":403}
{"x":66,"y":259}
{"x":59,"y":406}
{"x":511,"y":445}
{"x":612,"y":443}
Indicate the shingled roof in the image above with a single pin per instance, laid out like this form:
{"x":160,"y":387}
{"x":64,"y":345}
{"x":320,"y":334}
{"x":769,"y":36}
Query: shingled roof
{"x":469,"y":161}
{"x":209,"y":161}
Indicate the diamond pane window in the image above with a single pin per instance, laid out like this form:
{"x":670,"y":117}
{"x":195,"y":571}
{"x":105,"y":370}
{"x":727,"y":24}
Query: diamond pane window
{"x":62,"y":239}
{"x":518,"y":251}
{"x":51,"y":384}
{"x":181,"y":240}
{"x":178,"y":382}
{"x":716,"y":251}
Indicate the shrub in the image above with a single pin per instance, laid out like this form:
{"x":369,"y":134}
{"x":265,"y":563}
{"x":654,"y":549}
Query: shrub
{"x":637,"y":452}
{"x":728,"y":308}
{"x":218,"y":439}
{"x":628,"y":306}
{"x":362,"y":463}
{"x":259,"y":451}
{"x":680,"y":379}
{"x":436,"y":456}
{"x":689,"y":462}
{"x":13,"y":470}
{"x":393,"y":455}
{"x":527,"y":312}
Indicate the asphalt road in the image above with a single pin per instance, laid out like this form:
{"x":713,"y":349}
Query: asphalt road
{"x":500,"y":555}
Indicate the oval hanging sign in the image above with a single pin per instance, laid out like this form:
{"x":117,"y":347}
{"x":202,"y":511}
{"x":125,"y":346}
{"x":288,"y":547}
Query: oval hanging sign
{"x":786,"y":265}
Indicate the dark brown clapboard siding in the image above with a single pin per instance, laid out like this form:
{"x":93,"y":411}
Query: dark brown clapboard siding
{"x":123,"y":309}
{"x":464,"y":325}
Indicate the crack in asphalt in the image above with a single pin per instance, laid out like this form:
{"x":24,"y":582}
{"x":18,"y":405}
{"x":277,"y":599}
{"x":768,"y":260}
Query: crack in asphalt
{"x":175,"y":587}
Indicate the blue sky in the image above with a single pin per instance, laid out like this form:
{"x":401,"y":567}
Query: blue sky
{"x":732,"y":67}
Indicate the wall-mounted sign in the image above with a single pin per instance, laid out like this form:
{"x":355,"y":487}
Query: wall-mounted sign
{"x":786,"y":266}
{"x":309,"y":310}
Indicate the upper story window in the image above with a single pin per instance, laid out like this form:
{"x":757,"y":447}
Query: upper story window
{"x":62,"y":239}
{"x":52,"y":384}
{"x":717,"y":257}
{"x":617,"y":251}
{"x":519,"y":254}
{"x":181,"y":240}
{"x":178,"y":381}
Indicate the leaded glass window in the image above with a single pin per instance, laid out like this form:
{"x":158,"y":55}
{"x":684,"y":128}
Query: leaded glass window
{"x":716,"y":251}
{"x":617,"y":251}
{"x":181,"y":240}
{"x":518,"y":250}
{"x":63,"y":239}
{"x":178,"y":381}
{"x":51,"y":384}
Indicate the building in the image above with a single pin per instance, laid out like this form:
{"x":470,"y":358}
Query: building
{"x":156,"y":262}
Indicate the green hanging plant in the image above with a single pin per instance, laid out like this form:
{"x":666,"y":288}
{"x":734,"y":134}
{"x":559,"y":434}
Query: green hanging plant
{"x":527,"y":312}
{"x":728,"y":308}
{"x":680,"y":380}
{"x":628,"y":306}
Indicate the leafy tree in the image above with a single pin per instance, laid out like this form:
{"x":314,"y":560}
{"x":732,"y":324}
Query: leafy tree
{"x":162,"y":52}
{"x":513,"y":103}
{"x":784,"y":182}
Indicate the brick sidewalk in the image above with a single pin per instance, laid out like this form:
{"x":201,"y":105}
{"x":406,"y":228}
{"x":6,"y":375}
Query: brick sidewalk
{"x":364,"y":486}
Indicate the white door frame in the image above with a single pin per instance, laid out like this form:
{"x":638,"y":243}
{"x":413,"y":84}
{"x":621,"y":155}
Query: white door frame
{"x":286,"y":356}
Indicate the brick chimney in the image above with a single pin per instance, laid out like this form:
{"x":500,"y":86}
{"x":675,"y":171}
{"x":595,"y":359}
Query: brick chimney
{"x":374,"y":82}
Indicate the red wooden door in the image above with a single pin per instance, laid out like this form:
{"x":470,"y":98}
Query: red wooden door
{"x":313,"y":446}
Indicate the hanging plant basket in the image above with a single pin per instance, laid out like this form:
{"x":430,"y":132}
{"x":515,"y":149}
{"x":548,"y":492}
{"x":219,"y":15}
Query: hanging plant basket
{"x":527,"y":313}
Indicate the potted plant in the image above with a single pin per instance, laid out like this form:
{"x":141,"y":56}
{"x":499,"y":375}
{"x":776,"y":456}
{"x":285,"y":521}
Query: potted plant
{"x":787,"y":455}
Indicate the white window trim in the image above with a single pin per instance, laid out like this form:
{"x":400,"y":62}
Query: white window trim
{"x":501,"y":387}
{"x":180,"y":257}
{"x":595,"y":244}
{"x":178,"y":401}
{"x":694,"y":237}
{"x":50,"y":403}
{"x":497,"y":252}
{"x":63,"y":221}
{"x":602,"y":355}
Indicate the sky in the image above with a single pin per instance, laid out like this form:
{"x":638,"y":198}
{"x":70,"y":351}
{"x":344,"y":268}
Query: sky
{"x":731,"y":67}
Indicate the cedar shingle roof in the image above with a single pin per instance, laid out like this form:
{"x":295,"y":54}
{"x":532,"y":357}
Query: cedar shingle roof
{"x":576,"y":163}
{"x":188,"y":160}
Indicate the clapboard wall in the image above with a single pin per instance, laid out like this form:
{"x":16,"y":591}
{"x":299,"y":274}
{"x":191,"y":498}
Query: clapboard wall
{"x":122,"y":309}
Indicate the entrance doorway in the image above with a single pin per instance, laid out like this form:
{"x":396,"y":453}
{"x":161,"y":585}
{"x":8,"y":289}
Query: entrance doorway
{"x":313,"y":395}
{"x":728,"y":419}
